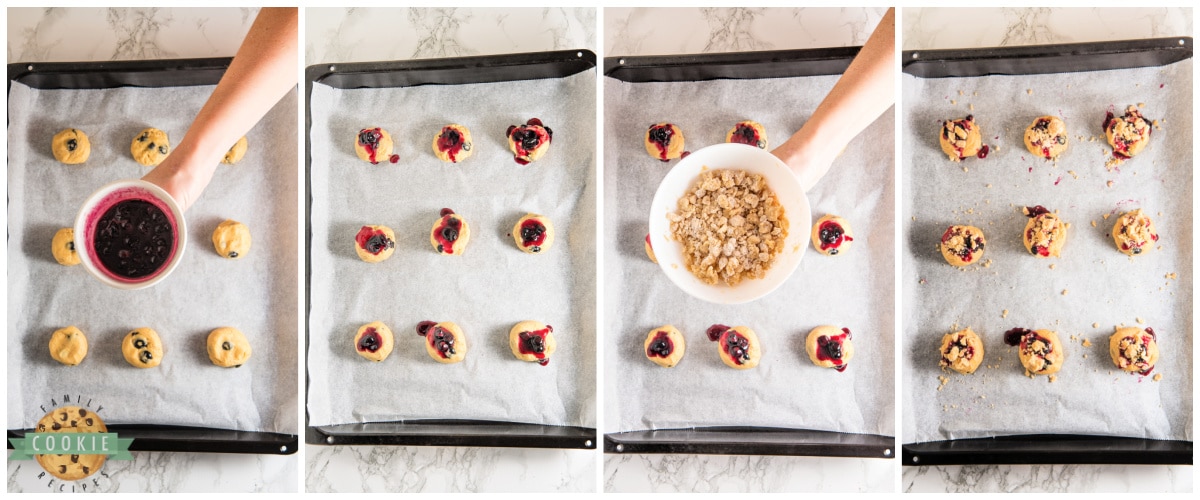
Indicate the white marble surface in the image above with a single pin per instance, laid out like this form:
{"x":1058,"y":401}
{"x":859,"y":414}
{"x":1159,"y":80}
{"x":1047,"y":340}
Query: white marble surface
{"x":1048,"y":479}
{"x":745,"y":474}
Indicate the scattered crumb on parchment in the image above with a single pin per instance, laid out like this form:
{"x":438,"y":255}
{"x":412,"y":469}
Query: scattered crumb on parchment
{"x":1095,"y":325}
{"x":1052,"y":266}
{"x":1170,"y":276}
{"x":1158,"y":377}
{"x":981,"y":396}
{"x":1093,"y":223}
{"x":965,"y":169}
{"x":952,"y":102}
{"x":971,"y":107}
{"x":943,"y":380}
{"x":1106,"y":216}
{"x":1087,"y":343}
{"x":1029,"y":91}
{"x":960,"y":92}
{"x":922,"y":281}
{"x":1140,"y":321}
{"x":914,"y":218}
{"x":1110,"y":183}
{"x":1052,"y":378}
{"x":1085,"y":355}
{"x":1065,"y":291}
{"x":1004,"y":313}
{"x":1073,"y":174}
{"x":987,"y":263}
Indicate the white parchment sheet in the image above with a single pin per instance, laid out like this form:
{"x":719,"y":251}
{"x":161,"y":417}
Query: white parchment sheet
{"x":486,"y":290}
{"x":256,"y":294}
{"x":852,"y":290}
{"x":1080,"y":295}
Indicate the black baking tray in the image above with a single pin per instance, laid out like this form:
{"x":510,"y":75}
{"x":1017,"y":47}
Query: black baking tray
{"x":741,"y":440}
{"x":449,"y":71}
{"x":1034,"y":60}
{"x":153,"y":73}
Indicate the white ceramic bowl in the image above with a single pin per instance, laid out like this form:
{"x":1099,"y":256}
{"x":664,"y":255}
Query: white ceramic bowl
{"x":779,"y":178}
{"x":103,"y":199}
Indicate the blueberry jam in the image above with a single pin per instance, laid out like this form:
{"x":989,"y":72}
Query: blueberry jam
{"x":527,"y":138}
{"x":714,"y":332}
{"x":451,"y":143}
{"x":533,"y":234}
{"x":832,"y":235}
{"x":661,"y":135}
{"x":1150,"y":331}
{"x":661,"y":346}
{"x":829,"y":348}
{"x":1035,"y":211}
{"x":440,"y":338}
{"x":744,"y":133}
{"x":535,"y":343}
{"x":370,"y":341}
{"x":134,"y":239}
{"x":72,"y":144}
{"x":446,"y":233}
{"x":373,"y":241}
{"x":369,"y":138}
{"x":733,"y":343}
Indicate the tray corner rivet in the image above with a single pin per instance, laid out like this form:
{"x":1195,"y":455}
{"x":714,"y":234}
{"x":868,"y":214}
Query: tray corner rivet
{"x":620,"y":61}
{"x":620,"y":448}
{"x":1182,"y":42}
{"x":887,"y":452}
{"x":283,"y":449}
{"x":329,"y":439}
{"x":30,"y":67}
{"x":916,"y":459}
{"x":332,"y":67}
{"x":580,"y":54}
{"x":916,"y":55}
{"x":587,"y":444}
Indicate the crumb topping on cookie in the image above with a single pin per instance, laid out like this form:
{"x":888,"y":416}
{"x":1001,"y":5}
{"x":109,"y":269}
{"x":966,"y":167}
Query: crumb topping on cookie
{"x":959,"y":353}
{"x":1047,"y":132}
{"x":1136,"y":231}
{"x":1129,"y":129}
{"x":963,"y":242}
{"x":955,"y":132}
{"x":1042,"y":230}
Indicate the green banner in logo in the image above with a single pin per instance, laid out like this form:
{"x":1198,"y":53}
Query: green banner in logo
{"x":70,"y":443}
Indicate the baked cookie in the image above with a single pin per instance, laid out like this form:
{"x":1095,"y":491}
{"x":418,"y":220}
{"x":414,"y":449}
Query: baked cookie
{"x":450,"y":233}
{"x":1045,"y":233}
{"x":1129,"y":134}
{"x":961,"y":351}
{"x":1134,"y":233}
{"x":373,"y":341}
{"x":150,"y":147}
{"x":530,"y":141}
{"x":962,"y":245}
{"x":748,"y":132}
{"x":63,"y":247}
{"x":375,"y":243}
{"x":228,"y":347}
{"x":444,"y":341}
{"x":738,"y":346}
{"x":664,"y":141}
{"x":650,"y":250}
{"x":1040,"y":350}
{"x":236,"y":153}
{"x":1046,"y":137}
{"x":71,"y":146}
{"x":532,"y":341}
{"x":374,"y":145}
{"x":664,"y":346}
{"x":67,"y":419}
{"x":142,"y":348}
{"x":453,"y":143}
{"x":231,"y":239}
{"x":68,"y":345}
{"x":1133,"y":349}
{"x":533,"y":234}
{"x":961,"y":138}
{"x":830,"y":347}
{"x":831,"y":235}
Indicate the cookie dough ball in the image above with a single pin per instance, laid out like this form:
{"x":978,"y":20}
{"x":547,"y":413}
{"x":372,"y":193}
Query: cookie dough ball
{"x":71,"y":419}
{"x":444,"y":342}
{"x":373,"y":341}
{"x":748,"y":132}
{"x":71,"y":146}
{"x":961,"y":351}
{"x":1046,"y":137}
{"x":228,"y":347}
{"x":142,"y":348}
{"x":664,"y":141}
{"x":63,"y":247}
{"x":961,"y":138}
{"x":530,"y":141}
{"x":532,"y":341}
{"x":533,"y":234}
{"x":1040,"y":350}
{"x":375,"y":243}
{"x":150,"y":147}
{"x":453,"y":143}
{"x":831,"y":235}
{"x":738,"y":346}
{"x":1129,"y":134}
{"x":231,"y":239}
{"x":373,"y":145}
{"x":830,"y":347}
{"x":650,"y":250}
{"x":236,"y":153}
{"x":1134,"y":350}
{"x":1045,"y":233}
{"x":68,"y":346}
{"x":664,"y":346}
{"x":1134,"y":233}
{"x":962,"y":245}
{"x":450,"y":233}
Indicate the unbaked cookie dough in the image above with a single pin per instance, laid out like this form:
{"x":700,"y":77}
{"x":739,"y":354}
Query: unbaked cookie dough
{"x":961,"y":138}
{"x":1128,"y":134}
{"x":1046,"y":137}
{"x":1134,"y":350}
{"x":650,"y":250}
{"x":150,"y":147}
{"x":1040,"y":350}
{"x":961,"y":351}
{"x":228,"y":347}
{"x":374,"y":145}
{"x":231,"y":239}
{"x":533,"y":234}
{"x":831,"y":235}
{"x":453,"y":143}
{"x":532,"y":341}
{"x":444,"y":342}
{"x":373,"y":341}
{"x":63,"y":247}
{"x":142,"y":348}
{"x":738,"y":346}
{"x":1045,"y":233}
{"x":664,"y":346}
{"x":236,"y":153}
{"x":748,"y":132}
{"x":1134,"y":233}
{"x":68,"y":346}
{"x":962,"y":245}
{"x":450,"y":233}
{"x":71,"y":419}
{"x":830,"y":347}
{"x":71,"y":146}
{"x":530,"y":141}
{"x":664,"y":141}
{"x":375,"y":243}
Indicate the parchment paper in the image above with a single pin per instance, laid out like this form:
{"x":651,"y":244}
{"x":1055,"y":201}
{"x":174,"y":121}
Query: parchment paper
{"x":486,"y":290}
{"x":853,"y":290}
{"x":256,"y":294}
{"x":1091,"y":283}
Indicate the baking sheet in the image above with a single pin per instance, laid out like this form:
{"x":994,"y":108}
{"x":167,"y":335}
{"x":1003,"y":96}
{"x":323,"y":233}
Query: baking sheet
{"x":1091,"y":284}
{"x":256,"y":294}
{"x":488,"y":289}
{"x":852,"y":290}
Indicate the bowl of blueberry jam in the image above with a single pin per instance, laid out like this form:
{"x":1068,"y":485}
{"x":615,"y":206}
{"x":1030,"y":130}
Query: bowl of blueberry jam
{"x":130,"y":234}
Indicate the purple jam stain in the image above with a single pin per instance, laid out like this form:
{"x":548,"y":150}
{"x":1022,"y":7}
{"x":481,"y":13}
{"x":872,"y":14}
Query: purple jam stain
{"x":1035,"y":211}
{"x":983,"y":152}
{"x":660,"y":346}
{"x":533,"y":234}
{"x":394,"y":159}
{"x":661,"y":135}
{"x":451,"y":143}
{"x":133,"y":239}
{"x":368,"y":138}
{"x":528,"y":137}
{"x":685,"y":154}
{"x":447,"y":232}
{"x":534,"y":343}
{"x":829,"y":348}
{"x":370,"y":341}
{"x":714,"y":332}
{"x":744,"y":133}
{"x":442,"y":340}
{"x":373,"y":241}
{"x":1151,"y":332}
{"x":424,"y":326}
{"x":832,"y":235}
